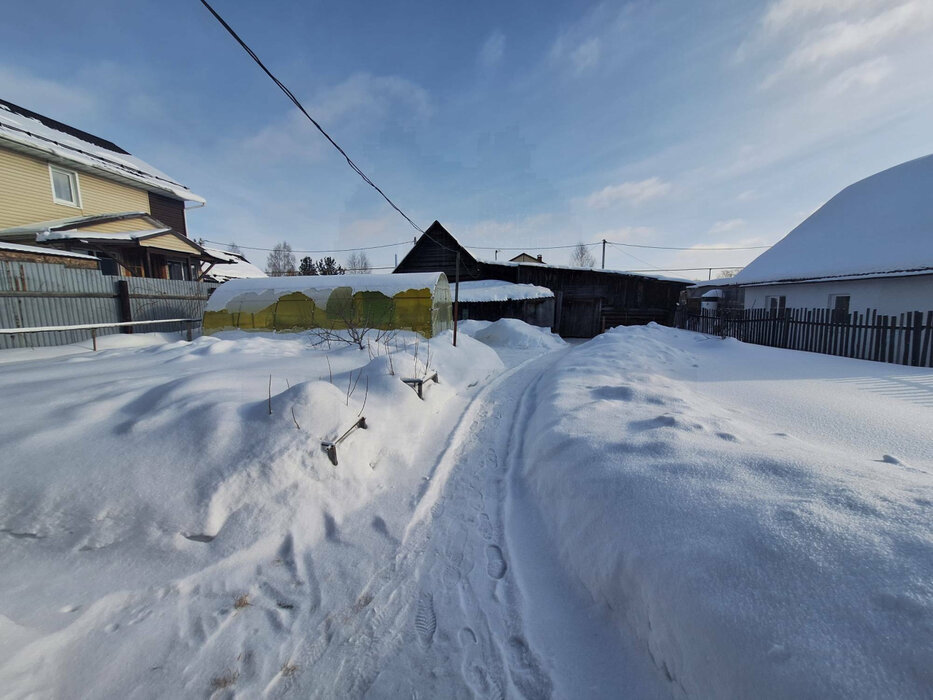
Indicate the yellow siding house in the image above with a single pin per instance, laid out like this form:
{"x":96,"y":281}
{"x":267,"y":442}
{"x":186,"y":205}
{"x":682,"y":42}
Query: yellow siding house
{"x":71,"y":190}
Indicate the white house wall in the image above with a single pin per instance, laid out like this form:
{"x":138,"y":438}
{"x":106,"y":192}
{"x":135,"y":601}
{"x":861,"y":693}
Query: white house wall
{"x":889,"y":295}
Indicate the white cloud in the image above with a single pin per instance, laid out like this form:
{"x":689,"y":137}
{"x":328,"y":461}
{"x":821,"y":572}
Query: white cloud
{"x":55,"y":99}
{"x":823,"y":39}
{"x":362,"y":102}
{"x":577,"y":55}
{"x":586,"y":55}
{"x":633,"y":192}
{"x":492,"y":50}
{"x":726,"y":226}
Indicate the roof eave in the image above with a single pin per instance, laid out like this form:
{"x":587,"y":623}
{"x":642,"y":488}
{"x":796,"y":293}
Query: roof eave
{"x":179,"y":192}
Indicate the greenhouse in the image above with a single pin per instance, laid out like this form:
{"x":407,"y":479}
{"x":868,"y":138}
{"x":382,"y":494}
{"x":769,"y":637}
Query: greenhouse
{"x":419,"y":302}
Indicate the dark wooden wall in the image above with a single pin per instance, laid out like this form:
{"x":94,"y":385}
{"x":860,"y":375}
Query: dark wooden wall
{"x":586,"y":303}
{"x":170,"y":212}
{"x":592,"y":300}
{"x":536,"y":312}
{"x":436,"y":251}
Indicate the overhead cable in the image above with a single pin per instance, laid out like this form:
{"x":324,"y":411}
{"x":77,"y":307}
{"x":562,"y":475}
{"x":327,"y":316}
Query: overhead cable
{"x":298,"y":104}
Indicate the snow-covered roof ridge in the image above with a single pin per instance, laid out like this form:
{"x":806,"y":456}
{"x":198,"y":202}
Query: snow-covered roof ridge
{"x":497,"y":290}
{"x":236,"y":266}
{"x":879,"y":226}
{"x":31,"y":131}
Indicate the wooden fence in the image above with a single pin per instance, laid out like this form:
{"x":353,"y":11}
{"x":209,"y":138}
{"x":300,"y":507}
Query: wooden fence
{"x":42,"y":294}
{"x":905,"y":338}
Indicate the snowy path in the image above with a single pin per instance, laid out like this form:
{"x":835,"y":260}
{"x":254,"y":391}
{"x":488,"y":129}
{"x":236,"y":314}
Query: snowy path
{"x":475,"y":589}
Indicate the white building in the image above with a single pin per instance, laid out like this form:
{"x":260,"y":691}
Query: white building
{"x":870,"y":246}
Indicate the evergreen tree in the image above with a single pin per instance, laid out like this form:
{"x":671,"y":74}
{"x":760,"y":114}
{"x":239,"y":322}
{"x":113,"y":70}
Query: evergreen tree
{"x":328,"y":266}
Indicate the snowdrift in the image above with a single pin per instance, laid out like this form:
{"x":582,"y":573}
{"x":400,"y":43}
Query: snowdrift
{"x":510,"y":333}
{"x":752,"y":562}
{"x":161,"y":505}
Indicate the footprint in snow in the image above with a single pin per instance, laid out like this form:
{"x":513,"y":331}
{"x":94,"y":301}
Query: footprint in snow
{"x":495,"y":562}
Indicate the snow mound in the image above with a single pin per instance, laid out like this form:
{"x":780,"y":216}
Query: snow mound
{"x":170,"y":521}
{"x":752,"y":562}
{"x":512,"y":333}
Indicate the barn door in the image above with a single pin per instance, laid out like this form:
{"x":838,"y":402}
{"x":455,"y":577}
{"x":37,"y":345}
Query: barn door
{"x":579,"y":318}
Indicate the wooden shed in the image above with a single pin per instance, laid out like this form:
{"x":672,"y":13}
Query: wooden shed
{"x":418,"y":302}
{"x":587,"y":301}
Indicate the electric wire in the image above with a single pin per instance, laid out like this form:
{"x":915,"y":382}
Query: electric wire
{"x":297,"y":103}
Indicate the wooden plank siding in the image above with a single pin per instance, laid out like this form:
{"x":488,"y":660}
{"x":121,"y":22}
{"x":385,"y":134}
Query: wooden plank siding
{"x":169,"y":211}
{"x":587,"y":301}
{"x":167,"y":241}
{"x":593,"y":301}
{"x":26,"y":193}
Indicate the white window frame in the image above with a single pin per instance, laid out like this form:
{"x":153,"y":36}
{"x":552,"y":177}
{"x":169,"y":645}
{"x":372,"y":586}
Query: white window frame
{"x":76,"y":186}
{"x":780,"y":298}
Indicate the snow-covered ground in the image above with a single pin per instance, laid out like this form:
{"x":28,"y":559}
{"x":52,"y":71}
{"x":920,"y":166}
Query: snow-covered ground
{"x":650,"y":514}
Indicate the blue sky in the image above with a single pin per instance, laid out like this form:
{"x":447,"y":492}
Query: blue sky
{"x":522,"y":124}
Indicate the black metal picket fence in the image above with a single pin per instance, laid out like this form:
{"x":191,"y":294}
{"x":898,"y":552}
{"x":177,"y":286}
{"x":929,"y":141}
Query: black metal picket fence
{"x":905,"y":338}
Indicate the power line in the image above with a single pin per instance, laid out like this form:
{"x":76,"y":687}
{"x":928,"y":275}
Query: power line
{"x":664,"y":247}
{"x":627,"y":245}
{"x":643,"y":262}
{"x":298,"y":104}
{"x":530,"y":247}
{"x":334,"y":250}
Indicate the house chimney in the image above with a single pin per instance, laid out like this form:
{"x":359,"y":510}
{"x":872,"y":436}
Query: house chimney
{"x":539,"y":259}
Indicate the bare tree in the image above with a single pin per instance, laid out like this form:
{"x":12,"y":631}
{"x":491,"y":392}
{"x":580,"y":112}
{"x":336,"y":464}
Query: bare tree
{"x":582,"y":257}
{"x":358,"y":262}
{"x":281,"y":260}
{"x":726,"y":274}
{"x":234,"y":248}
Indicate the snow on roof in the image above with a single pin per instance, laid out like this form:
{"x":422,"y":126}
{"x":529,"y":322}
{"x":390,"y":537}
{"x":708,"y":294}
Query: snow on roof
{"x":267,"y":289}
{"x":879,"y":226}
{"x":17,"y":248}
{"x":712,"y":294}
{"x":25,"y":129}
{"x":76,"y":222}
{"x":76,"y":234}
{"x":663,"y":278}
{"x":496,"y":290}
{"x":235,"y":267}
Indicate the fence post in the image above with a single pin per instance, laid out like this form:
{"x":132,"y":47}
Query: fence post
{"x":126,"y":311}
{"x":188,"y":329}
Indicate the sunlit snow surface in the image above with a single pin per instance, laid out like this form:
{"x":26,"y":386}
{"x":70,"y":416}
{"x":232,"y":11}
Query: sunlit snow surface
{"x":651,"y":513}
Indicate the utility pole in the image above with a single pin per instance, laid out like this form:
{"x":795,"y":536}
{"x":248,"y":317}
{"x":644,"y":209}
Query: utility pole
{"x":710,"y":274}
{"x":496,"y":255}
{"x":456,"y":298}
{"x":604,"y":253}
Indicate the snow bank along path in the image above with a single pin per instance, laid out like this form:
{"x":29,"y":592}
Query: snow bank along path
{"x":759,"y":518}
{"x":650,"y":513}
{"x":163,"y":533}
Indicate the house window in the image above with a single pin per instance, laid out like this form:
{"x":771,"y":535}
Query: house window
{"x":839,"y":303}
{"x":65,"y":187}
{"x":776,"y":303}
{"x":176,"y":270}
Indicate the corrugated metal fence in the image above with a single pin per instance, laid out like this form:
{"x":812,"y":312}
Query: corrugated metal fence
{"x":41,"y":294}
